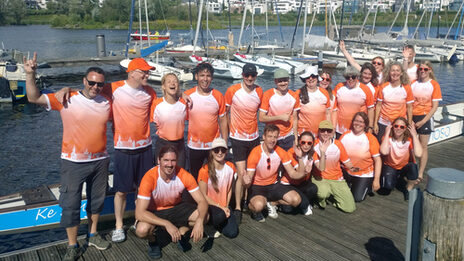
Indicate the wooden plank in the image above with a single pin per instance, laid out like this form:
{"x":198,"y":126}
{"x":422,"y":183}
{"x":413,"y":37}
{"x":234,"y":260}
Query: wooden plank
{"x":49,"y":253}
{"x":29,"y":256}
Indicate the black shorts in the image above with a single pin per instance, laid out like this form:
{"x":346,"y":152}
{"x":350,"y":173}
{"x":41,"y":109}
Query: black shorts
{"x":129,"y":168}
{"x":242,"y":148}
{"x":427,"y":128}
{"x":177,"y":215}
{"x":272,"y":192}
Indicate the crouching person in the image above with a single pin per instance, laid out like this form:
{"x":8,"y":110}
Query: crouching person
{"x":215,"y":179}
{"x":159,"y":203}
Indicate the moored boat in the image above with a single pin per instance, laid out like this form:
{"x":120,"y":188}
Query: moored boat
{"x":156,"y":36}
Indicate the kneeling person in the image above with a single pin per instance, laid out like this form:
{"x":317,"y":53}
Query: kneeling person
{"x":159,"y":203}
{"x":262,"y":167}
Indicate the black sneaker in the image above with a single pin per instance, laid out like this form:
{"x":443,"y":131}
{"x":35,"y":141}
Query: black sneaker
{"x":183,"y":244}
{"x":238,"y":216}
{"x":258,"y":217}
{"x":72,"y":253}
{"x":154,"y":250}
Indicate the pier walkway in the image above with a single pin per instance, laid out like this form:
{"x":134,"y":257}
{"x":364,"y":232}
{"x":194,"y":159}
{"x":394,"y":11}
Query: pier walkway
{"x":375,"y":231}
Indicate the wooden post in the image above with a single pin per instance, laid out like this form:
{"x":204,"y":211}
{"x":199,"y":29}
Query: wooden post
{"x":442,"y":234}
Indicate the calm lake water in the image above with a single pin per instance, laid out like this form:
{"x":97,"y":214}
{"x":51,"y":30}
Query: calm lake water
{"x":31,"y":137}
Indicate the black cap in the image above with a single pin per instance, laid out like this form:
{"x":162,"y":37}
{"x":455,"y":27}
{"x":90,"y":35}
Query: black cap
{"x":249,"y":68}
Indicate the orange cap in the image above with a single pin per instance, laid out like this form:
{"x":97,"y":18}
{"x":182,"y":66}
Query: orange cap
{"x":140,"y":64}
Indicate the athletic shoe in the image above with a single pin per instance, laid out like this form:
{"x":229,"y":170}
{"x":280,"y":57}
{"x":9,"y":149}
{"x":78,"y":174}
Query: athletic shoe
{"x":271,"y":211}
{"x":118,"y":235}
{"x":98,"y":242}
{"x":238,"y":216}
{"x":258,"y":217}
{"x":217,"y":234}
{"x":72,"y":253}
{"x":154,"y":250}
{"x":308,"y":211}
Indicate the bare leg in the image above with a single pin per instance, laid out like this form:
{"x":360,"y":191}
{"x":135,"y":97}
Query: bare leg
{"x":257,"y":203}
{"x":424,"y":140}
{"x":241,"y":165}
{"x":71,"y":232}
{"x":119,"y":208}
{"x":93,"y":223}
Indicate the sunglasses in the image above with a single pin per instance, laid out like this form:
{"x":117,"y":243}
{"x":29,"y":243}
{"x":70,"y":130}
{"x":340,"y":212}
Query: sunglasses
{"x":92,"y":83}
{"x":246,"y":75}
{"x":377,"y":63}
{"x":282,"y":80}
{"x":306,"y":142}
{"x":396,"y":126}
{"x":325,"y":130}
{"x":424,"y":69}
{"x":326,"y":79}
{"x":268,"y":163}
{"x":219,"y":149}
{"x":352,"y":77}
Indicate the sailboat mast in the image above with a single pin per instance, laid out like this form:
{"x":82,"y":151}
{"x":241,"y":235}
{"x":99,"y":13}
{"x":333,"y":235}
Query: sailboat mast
{"x":296,"y":25}
{"x":326,"y":30}
{"x":148,"y":24}
{"x":438,"y":25}
{"x":430,"y":23}
{"x":207,"y":28}
{"x":304,"y":28}
{"x":140,"y":24}
{"x":243,"y":25}
{"x":191,"y":22}
{"x":278,"y":18}
{"x":130,"y":28}
{"x":252,"y":27}
{"x":198,"y":27}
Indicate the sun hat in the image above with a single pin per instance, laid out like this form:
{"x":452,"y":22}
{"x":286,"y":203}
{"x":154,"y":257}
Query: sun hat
{"x":281,"y":73}
{"x":219,"y":143}
{"x":325,"y":124}
{"x":310,"y":70}
{"x":139,"y":64}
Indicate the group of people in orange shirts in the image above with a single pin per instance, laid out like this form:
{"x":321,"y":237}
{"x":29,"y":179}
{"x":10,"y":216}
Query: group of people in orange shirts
{"x":318,"y":145}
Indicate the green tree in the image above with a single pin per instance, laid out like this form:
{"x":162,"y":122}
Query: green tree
{"x":116,"y":10}
{"x":17,"y":9}
{"x":3,"y":12}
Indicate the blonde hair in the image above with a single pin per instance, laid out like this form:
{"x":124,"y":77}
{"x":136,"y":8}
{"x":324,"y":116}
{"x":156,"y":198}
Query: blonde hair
{"x":163,"y":81}
{"x":428,"y":64}
{"x":386,"y":73}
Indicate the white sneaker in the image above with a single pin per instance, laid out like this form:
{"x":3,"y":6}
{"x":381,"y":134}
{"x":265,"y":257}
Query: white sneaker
{"x":271,"y":211}
{"x":308,"y":211}
{"x":217,"y":234}
{"x":118,"y":235}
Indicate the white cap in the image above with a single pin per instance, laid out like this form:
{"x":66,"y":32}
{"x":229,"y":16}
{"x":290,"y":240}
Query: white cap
{"x":310,"y":70}
{"x":219,"y":142}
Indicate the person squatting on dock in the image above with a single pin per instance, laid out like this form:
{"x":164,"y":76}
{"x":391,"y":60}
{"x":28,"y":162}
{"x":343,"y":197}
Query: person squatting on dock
{"x":160,"y":204}
{"x":84,"y":156}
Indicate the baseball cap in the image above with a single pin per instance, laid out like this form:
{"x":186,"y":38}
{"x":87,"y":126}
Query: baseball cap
{"x":310,"y":70}
{"x":281,"y":73}
{"x":249,"y":69}
{"x":326,"y":125}
{"x":139,"y":64}
{"x":219,"y":143}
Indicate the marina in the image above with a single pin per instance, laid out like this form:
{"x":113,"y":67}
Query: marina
{"x":375,"y":231}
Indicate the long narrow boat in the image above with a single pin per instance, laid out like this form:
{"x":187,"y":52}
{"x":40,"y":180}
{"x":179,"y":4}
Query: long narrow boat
{"x":448,"y":121}
{"x":38,"y":209}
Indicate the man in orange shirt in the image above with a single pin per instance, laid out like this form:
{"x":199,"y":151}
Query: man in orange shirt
{"x":159,"y":203}
{"x":207,"y":117}
{"x":243,"y":100}
{"x":279,"y":107}
{"x":261,"y":177}
{"x":84,"y":156}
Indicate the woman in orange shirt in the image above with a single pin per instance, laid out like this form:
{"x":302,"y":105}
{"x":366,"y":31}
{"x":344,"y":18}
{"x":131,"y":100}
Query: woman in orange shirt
{"x":394,"y":99}
{"x":427,"y":94}
{"x":215,"y":181}
{"x":369,"y":77}
{"x":324,"y":83}
{"x":398,"y":147}
{"x":363,"y":150}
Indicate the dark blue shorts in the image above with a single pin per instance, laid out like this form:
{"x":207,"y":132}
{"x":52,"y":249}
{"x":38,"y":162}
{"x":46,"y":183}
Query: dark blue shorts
{"x":427,"y":128}
{"x":129,"y":168}
{"x":242,"y":148}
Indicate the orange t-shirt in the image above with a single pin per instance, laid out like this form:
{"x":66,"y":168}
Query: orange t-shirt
{"x":349,"y":101}
{"x":308,"y":160}
{"x":162,"y":194}
{"x":169,"y":118}
{"x":258,"y":161}
{"x":394,"y":100}
{"x":243,"y":124}
{"x":274,"y":104}
{"x":131,"y":113}
{"x":84,"y":126}
{"x":361,"y":149}
{"x":424,"y":94}
{"x":203,"y":125}
{"x":373,"y":90}
{"x":335,"y":153}
{"x":313,"y":112}
{"x":400,"y":153}
{"x":412,"y":72}
{"x":225,"y":176}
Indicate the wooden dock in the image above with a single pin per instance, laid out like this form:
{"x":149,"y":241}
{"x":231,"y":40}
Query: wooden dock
{"x":375,"y":231}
